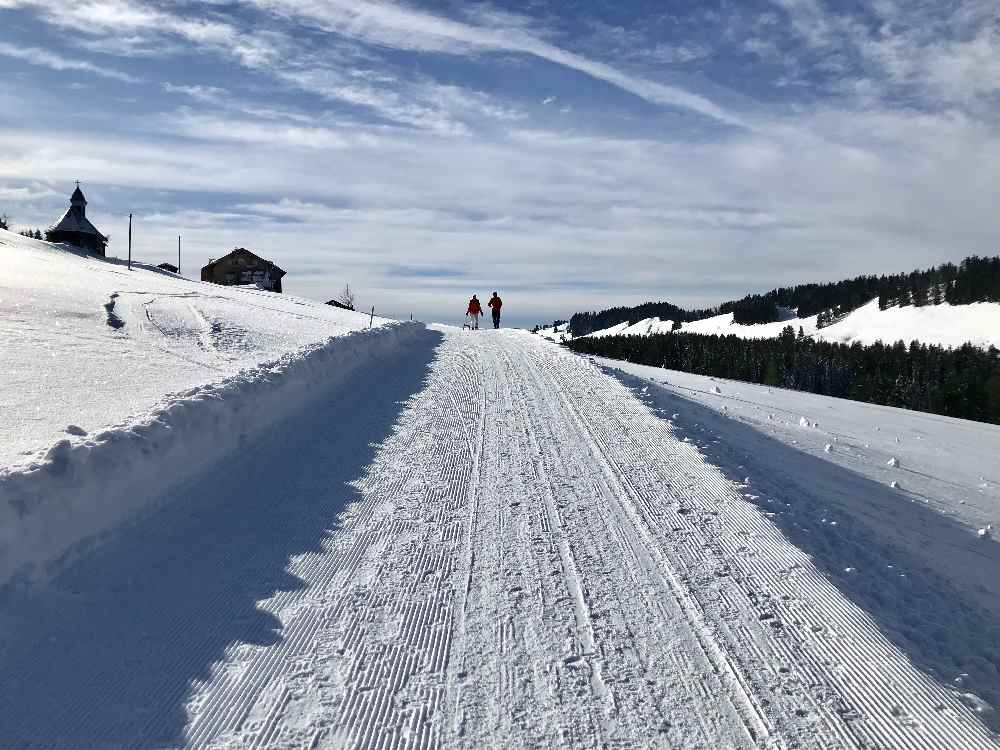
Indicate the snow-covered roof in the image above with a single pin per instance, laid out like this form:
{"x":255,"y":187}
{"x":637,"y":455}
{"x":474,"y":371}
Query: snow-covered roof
{"x":72,"y":221}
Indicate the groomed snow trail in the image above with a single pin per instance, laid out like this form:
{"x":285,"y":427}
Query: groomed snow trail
{"x":534,"y":559}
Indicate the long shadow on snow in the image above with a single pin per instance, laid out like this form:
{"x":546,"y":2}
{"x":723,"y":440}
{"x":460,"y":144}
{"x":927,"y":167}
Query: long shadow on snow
{"x":886,"y":552}
{"x":106,"y":655}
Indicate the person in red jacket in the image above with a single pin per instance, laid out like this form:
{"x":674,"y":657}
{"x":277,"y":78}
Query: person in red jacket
{"x":474,"y":311}
{"x":496,"y":303}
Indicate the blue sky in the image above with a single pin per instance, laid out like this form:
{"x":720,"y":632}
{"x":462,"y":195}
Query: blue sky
{"x":573,"y":155}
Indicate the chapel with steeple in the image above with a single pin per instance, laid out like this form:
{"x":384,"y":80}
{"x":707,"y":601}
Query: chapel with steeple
{"x":74,"y":227}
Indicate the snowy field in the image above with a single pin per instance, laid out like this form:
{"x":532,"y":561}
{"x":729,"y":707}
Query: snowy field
{"x":483,"y":540}
{"x":233,"y":519}
{"x":88,"y":344}
{"x":944,"y":324}
{"x":119,"y":384}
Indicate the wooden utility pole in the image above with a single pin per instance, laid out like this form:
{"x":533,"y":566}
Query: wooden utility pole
{"x":178,"y":254}
{"x":371,"y":320}
{"x":130,"y":242}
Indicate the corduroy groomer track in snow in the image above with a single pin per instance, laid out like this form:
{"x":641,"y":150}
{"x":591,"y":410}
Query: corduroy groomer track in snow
{"x":484,"y":542}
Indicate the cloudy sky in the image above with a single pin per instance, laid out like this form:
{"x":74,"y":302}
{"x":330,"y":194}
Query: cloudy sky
{"x":573,"y":154}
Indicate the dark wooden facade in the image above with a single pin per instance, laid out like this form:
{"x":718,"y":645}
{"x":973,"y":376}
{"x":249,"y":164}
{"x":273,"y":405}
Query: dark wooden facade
{"x":242,"y":267}
{"x":341,"y":305}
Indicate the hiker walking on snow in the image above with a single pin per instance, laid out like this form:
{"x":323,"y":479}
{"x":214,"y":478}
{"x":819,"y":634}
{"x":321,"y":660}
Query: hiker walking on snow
{"x":475,"y":310}
{"x":496,"y":303}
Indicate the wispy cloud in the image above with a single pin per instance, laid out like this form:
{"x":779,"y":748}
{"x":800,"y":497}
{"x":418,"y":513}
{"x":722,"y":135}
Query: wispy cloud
{"x":405,"y":28}
{"x":48,"y":59}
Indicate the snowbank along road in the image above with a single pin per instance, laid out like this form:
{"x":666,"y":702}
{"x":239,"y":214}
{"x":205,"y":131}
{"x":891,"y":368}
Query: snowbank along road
{"x":488,"y":542}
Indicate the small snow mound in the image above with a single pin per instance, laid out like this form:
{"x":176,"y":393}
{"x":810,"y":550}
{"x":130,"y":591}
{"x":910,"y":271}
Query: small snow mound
{"x":59,"y":453}
{"x":986,"y":532}
{"x":976,"y":703}
{"x":894,"y":484}
{"x":76,"y":430}
{"x":893,"y":462}
{"x":674,"y":416}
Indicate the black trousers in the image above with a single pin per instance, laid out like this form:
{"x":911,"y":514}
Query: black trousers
{"x":496,"y":318}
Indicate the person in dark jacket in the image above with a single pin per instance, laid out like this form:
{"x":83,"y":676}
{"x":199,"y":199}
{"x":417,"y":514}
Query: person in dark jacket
{"x":495,"y":303}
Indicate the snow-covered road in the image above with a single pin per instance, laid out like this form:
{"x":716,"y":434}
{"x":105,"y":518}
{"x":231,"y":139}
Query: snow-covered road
{"x":491,"y":543}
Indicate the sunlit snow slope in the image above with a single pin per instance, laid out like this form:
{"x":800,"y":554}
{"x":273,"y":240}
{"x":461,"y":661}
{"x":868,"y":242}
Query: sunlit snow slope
{"x":87,"y":340}
{"x":945,"y":325}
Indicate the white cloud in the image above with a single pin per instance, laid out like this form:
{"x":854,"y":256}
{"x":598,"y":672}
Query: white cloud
{"x":939,"y":53}
{"x":48,"y":59}
{"x":25,"y":194}
{"x":871,"y":192}
{"x":405,"y":28}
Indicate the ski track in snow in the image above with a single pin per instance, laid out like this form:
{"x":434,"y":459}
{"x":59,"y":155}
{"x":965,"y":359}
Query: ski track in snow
{"x":532,"y":559}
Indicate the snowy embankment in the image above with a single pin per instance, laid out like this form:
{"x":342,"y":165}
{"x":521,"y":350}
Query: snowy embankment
{"x":944,"y":325}
{"x":950,"y":464}
{"x":88,"y":344}
{"x":166,"y":375}
{"x":898,"y":507}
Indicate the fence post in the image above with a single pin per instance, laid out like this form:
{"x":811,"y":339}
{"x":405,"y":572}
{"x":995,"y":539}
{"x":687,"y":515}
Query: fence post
{"x":371,"y":321}
{"x":130,"y":242}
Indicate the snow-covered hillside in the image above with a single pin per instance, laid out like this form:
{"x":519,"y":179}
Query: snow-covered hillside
{"x":554,"y":333}
{"x":86,"y":337}
{"x":119,"y":384}
{"x":645,"y":327}
{"x":944,"y":324}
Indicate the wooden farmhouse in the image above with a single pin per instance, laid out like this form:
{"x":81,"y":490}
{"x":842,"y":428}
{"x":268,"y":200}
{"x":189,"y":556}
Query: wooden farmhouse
{"x":242,"y":267}
{"x":75,"y":229}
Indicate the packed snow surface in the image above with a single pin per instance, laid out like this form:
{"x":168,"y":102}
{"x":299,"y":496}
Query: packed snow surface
{"x":88,"y":344}
{"x":944,"y":324}
{"x":482,"y":540}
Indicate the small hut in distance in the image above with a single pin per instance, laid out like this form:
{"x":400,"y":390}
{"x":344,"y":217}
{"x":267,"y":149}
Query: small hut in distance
{"x":241,"y":267}
{"x":74,"y":228}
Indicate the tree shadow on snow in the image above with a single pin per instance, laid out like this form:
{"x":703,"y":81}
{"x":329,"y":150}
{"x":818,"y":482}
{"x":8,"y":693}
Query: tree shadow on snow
{"x":929,"y":584}
{"x":105,"y":656}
